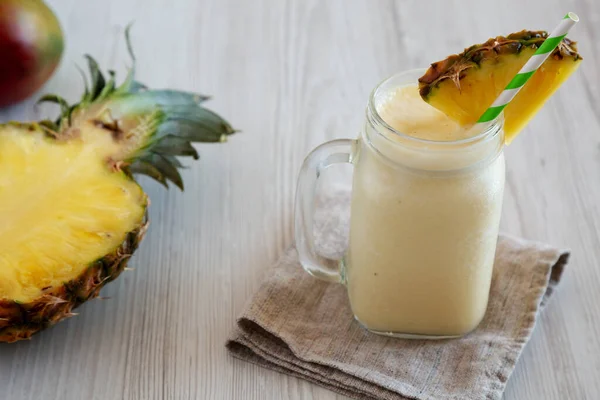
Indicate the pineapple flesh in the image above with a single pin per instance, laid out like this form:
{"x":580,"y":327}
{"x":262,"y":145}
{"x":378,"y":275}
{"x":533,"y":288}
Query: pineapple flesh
{"x":72,"y":213}
{"x":463,"y":86}
{"x":60,"y":204}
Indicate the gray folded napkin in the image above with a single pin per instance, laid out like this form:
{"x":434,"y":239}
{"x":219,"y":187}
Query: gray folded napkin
{"x":304,"y":327}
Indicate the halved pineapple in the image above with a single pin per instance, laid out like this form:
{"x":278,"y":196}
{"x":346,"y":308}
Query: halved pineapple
{"x":463,"y":86}
{"x":71,"y":214}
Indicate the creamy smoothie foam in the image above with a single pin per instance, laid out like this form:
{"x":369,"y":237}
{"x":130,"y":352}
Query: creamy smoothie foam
{"x":424,"y":221}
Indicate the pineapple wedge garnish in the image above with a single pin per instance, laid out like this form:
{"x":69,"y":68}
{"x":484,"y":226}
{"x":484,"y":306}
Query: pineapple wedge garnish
{"x":463,"y":86}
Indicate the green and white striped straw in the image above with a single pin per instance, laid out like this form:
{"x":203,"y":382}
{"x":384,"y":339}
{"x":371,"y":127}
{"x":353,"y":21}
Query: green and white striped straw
{"x":530,"y":67}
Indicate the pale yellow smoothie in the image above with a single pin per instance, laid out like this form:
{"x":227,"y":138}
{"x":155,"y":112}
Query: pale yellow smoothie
{"x":424,"y":222}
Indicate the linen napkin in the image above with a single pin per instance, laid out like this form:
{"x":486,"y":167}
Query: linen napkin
{"x":299,"y":325}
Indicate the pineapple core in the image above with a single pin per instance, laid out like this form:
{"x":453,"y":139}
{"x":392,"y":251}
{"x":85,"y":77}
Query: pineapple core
{"x":61,"y":208}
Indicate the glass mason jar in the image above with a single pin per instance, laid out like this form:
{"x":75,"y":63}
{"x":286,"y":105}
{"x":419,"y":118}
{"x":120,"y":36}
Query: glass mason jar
{"x":423,"y":228}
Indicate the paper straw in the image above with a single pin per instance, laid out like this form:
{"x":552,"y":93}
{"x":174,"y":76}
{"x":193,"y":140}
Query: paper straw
{"x":513,"y":87}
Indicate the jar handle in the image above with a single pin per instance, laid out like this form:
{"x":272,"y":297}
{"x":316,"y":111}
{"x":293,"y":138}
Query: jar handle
{"x":330,"y":153}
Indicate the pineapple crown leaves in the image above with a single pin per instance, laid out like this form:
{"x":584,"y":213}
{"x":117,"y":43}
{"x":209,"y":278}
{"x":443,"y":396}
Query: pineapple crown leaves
{"x":158,"y":125}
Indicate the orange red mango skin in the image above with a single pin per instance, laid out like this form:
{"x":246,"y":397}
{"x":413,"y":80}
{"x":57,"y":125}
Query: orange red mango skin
{"x":31,"y":47}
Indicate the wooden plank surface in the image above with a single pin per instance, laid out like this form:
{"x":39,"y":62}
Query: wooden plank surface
{"x":292,"y":74}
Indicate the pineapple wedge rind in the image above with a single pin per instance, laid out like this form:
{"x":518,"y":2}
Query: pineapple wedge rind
{"x":464,"y":85}
{"x":64,"y":249}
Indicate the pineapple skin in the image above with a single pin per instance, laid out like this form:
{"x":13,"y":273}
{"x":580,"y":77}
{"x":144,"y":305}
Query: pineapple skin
{"x":19,"y":321}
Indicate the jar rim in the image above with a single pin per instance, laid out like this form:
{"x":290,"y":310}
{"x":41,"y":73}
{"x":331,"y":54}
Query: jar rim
{"x":489,"y":130}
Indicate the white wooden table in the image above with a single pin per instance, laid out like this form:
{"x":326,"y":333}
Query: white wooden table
{"x":292,"y":74}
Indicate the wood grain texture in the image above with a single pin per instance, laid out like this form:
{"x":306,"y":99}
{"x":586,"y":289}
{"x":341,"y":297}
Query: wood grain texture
{"x":292,"y":74}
